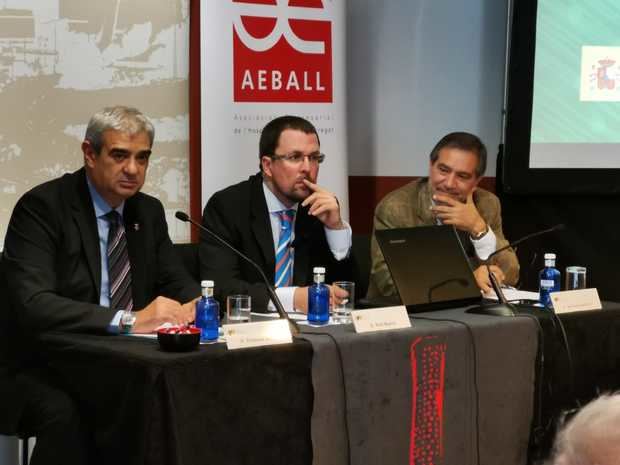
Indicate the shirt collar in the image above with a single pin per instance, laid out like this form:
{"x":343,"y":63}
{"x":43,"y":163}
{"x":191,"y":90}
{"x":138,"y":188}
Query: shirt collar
{"x":101,"y":206}
{"x":273,"y":203}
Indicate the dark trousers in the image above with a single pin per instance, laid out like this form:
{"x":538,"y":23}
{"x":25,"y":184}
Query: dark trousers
{"x":52,"y":416}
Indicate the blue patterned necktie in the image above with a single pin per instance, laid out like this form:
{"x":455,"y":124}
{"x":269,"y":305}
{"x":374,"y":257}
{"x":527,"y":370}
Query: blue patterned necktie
{"x":119,"y":270}
{"x":284,"y":256}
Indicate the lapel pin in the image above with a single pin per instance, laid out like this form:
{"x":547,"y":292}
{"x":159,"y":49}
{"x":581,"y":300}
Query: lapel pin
{"x":136,"y":226}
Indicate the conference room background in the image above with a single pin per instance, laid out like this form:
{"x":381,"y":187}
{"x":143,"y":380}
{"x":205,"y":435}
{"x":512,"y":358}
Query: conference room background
{"x":415,"y":70}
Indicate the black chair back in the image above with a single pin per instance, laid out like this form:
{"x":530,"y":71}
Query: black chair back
{"x":189,"y":256}
{"x":361,"y":255}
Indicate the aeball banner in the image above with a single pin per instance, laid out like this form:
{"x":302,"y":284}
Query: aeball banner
{"x":265,"y":58}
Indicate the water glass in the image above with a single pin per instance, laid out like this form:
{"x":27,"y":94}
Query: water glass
{"x":575,"y":277}
{"x":238,"y":308}
{"x":341,"y":313}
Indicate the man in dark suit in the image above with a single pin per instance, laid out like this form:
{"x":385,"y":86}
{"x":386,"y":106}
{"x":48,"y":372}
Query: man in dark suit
{"x":30,"y":406}
{"x":88,"y":252}
{"x":281,"y":219}
{"x":57,"y":248}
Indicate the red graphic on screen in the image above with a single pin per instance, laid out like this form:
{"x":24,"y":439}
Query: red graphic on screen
{"x":428,"y":367}
{"x":282,"y":51}
{"x":602,"y":74}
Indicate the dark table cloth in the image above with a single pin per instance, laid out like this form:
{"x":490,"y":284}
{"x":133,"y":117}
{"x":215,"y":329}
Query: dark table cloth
{"x":211,"y":406}
{"x":401,"y":410}
{"x":455,"y":389}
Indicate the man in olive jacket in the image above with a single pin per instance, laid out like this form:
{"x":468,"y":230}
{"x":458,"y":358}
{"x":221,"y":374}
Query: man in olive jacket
{"x":450,"y":195}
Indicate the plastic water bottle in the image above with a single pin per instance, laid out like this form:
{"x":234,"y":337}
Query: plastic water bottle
{"x":549,"y":279}
{"x":318,"y":298}
{"x":207,"y":313}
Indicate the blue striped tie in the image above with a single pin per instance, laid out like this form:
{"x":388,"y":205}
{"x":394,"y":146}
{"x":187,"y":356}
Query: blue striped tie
{"x":284,"y":256}
{"x":119,"y":270}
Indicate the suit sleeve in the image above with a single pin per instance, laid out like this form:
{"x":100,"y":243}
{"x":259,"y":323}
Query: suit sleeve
{"x":31,"y":253}
{"x":222,"y":265}
{"x":381,"y":283}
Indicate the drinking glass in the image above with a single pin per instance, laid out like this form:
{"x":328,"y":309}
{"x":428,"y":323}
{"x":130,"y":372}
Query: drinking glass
{"x":575,"y":277}
{"x":341,"y":313}
{"x":238,"y":308}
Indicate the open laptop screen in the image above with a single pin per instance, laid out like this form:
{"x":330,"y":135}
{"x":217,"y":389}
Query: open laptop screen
{"x":429,"y":267}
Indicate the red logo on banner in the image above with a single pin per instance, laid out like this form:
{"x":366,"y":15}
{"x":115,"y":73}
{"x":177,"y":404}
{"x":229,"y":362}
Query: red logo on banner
{"x":282,"y":51}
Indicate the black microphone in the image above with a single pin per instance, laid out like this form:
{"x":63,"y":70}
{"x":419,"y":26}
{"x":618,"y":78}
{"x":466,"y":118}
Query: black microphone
{"x":557,"y":227}
{"x":272,"y":293}
{"x":504,"y":308}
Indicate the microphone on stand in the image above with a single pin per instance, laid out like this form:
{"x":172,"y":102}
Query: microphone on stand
{"x":272,"y":293}
{"x":504,"y":308}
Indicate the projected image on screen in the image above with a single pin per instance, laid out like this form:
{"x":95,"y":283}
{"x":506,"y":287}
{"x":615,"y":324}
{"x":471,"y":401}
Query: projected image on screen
{"x":576,"y":101}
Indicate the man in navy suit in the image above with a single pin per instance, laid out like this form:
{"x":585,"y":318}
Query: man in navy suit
{"x":281,"y":219}
{"x":88,"y":252}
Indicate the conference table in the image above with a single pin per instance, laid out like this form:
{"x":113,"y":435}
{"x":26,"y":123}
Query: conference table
{"x":455,"y":388}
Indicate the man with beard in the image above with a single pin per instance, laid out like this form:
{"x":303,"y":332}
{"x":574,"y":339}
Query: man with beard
{"x":281,"y":219}
{"x":450,"y":195}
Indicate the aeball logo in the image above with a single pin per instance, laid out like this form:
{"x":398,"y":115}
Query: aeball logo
{"x":282,"y":51}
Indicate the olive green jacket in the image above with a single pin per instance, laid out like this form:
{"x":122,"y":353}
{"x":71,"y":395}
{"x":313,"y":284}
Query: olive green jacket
{"x":409,"y":206}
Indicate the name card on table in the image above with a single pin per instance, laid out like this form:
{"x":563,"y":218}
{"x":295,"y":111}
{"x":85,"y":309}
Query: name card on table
{"x":260,"y":333}
{"x":576,"y":301}
{"x":380,"y":319}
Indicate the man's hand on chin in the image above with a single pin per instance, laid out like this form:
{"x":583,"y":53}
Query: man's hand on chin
{"x":463,"y":215}
{"x":324,"y":205}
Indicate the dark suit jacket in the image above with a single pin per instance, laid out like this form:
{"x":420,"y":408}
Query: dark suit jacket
{"x":239,"y":215}
{"x":53,"y":262}
{"x":11,"y":399}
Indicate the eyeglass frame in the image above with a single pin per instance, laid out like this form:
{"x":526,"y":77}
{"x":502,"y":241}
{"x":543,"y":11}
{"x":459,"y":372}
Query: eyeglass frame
{"x":296,"y":158}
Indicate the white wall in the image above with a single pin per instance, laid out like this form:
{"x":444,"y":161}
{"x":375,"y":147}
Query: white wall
{"x":418,"y":69}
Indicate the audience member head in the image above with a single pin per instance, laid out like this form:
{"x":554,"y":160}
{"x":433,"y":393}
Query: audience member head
{"x":116,"y":149}
{"x":289,"y":152}
{"x":457,"y":164}
{"x":592,"y":436}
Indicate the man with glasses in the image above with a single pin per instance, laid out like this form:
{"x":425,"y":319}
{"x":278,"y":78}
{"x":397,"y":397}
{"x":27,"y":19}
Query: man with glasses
{"x":281,"y":219}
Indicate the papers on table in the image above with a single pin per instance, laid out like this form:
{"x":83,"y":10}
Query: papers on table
{"x":513,"y":294}
{"x":292,"y":315}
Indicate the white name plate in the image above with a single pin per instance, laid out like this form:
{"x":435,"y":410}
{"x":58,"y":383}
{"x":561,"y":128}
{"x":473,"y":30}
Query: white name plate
{"x":380,"y":319}
{"x":576,"y":301}
{"x":260,"y":333}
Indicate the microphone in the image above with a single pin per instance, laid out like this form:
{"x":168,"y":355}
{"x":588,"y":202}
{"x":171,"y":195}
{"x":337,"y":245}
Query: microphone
{"x":557,"y":227}
{"x":272,"y":293}
{"x":504,"y":308}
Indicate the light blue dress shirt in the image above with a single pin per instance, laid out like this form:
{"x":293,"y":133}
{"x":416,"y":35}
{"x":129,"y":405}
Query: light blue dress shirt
{"x":339,"y":241}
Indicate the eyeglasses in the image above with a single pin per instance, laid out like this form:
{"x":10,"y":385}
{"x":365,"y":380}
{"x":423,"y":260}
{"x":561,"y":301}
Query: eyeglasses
{"x":296,"y":158}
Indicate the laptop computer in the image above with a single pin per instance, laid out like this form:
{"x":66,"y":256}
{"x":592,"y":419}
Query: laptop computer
{"x":429,"y":267}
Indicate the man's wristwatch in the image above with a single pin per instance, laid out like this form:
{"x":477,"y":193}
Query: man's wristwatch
{"x":479,"y":235}
{"x":128,"y":318}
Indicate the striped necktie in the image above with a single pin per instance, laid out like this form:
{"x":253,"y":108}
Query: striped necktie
{"x":284,"y":256}
{"x":119,"y":270}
